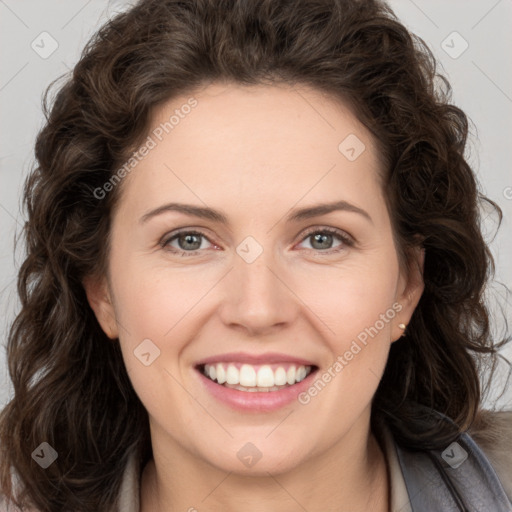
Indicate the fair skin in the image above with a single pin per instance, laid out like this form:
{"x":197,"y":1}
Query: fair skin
{"x":256,"y":153}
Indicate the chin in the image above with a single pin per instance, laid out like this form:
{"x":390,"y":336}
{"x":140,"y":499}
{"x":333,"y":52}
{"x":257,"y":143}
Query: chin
{"x":250,"y":460}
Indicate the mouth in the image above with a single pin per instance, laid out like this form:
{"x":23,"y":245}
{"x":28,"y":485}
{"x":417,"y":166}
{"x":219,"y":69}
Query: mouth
{"x":255,"y":383}
{"x":256,"y":378}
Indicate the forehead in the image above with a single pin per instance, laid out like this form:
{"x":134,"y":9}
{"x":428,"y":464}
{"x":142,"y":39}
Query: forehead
{"x":256,"y":113}
{"x":246,"y":143}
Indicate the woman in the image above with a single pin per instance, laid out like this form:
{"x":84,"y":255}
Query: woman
{"x":314,"y":347}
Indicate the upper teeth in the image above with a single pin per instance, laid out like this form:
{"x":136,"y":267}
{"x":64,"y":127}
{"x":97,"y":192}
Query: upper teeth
{"x":252,"y":376}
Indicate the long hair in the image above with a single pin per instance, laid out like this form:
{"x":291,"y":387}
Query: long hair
{"x":71,"y":388}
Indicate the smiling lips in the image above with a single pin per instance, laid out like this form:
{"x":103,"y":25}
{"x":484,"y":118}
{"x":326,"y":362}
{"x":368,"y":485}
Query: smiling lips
{"x":255,"y":383}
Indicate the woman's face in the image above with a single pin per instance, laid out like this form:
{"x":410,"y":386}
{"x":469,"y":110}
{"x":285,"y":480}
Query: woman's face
{"x":259,"y":289}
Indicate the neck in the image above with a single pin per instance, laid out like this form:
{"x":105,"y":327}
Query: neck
{"x":351,"y":476}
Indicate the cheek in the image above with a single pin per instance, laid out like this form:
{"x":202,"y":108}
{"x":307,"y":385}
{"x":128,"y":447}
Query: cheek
{"x":359,"y":315}
{"x":157,"y":321}
{"x":356,"y":307}
{"x":352,"y":297}
{"x":152,"y":299}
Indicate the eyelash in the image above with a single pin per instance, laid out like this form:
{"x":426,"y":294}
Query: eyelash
{"x":347,"y":241}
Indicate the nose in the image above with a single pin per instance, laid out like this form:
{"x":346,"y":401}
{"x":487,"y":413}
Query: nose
{"x":257,"y":296}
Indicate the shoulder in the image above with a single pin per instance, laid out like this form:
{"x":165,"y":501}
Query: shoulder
{"x":492,"y":431}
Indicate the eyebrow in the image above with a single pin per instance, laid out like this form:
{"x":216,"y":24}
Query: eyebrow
{"x":217,"y":216}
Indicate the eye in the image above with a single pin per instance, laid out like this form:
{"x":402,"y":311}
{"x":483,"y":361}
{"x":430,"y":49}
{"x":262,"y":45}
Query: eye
{"x":322,"y":239}
{"x":189,"y":242}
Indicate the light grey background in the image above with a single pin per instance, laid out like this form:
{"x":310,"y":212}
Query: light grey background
{"x":480,"y":76}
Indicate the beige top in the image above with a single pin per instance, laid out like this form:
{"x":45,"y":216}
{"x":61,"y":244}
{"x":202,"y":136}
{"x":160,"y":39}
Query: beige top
{"x":497,"y":447}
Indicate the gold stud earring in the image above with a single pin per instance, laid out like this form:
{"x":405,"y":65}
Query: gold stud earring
{"x":402,"y":326}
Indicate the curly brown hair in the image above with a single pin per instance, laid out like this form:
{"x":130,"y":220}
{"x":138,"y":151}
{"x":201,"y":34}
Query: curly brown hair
{"x":71,"y":388}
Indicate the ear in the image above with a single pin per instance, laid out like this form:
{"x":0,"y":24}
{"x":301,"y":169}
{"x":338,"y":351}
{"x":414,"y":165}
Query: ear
{"x":410,"y":289}
{"x":100,"y":300}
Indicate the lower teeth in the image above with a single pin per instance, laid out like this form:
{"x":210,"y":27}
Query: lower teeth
{"x":255,"y":389}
